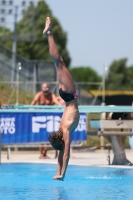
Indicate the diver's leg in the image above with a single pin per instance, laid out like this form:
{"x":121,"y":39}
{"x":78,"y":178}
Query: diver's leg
{"x":65,"y":79}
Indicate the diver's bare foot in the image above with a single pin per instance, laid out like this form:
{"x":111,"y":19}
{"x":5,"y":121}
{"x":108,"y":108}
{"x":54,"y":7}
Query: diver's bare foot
{"x":48,"y":27}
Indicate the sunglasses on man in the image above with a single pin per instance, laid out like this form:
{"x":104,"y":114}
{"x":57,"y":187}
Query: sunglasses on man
{"x":45,"y":89}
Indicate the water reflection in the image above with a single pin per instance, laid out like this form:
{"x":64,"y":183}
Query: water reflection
{"x":60,"y":193}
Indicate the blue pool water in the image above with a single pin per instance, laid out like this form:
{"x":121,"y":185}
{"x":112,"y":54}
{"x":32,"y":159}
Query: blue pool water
{"x":34,"y":182}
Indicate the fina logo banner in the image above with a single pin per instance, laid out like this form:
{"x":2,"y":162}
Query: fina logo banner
{"x":51,"y":123}
{"x":35,"y":127}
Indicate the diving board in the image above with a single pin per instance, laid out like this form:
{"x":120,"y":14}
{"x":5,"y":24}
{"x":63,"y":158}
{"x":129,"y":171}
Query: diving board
{"x":55,"y":109}
{"x":112,"y":124}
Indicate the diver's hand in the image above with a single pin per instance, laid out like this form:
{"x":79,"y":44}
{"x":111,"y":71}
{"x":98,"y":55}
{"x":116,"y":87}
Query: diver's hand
{"x":58,"y":177}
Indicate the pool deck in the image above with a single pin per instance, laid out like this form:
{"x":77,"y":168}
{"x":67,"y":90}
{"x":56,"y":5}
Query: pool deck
{"x":90,"y":158}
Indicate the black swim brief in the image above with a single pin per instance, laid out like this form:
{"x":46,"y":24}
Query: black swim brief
{"x":66,"y":96}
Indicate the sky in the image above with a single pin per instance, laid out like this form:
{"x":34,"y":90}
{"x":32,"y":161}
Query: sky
{"x":98,"y":31}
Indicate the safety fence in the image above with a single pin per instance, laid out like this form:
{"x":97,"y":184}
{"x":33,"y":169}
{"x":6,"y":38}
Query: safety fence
{"x":28,"y":75}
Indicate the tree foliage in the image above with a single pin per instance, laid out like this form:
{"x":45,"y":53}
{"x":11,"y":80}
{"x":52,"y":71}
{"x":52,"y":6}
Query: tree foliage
{"x":86,"y":74}
{"x":6,"y":36}
{"x":34,"y":25}
{"x":32,"y":44}
{"x":119,"y":76}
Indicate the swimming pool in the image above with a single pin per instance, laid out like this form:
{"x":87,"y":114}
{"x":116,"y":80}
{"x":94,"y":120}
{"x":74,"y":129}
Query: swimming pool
{"x":34,"y":182}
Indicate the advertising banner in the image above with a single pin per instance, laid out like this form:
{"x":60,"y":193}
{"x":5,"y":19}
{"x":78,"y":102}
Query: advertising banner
{"x":19,"y":128}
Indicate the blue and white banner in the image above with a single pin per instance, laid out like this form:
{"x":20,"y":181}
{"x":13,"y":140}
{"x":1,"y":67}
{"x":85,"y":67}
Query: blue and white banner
{"x":18,"y":128}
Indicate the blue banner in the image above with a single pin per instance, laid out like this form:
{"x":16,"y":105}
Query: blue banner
{"x":18,"y":128}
